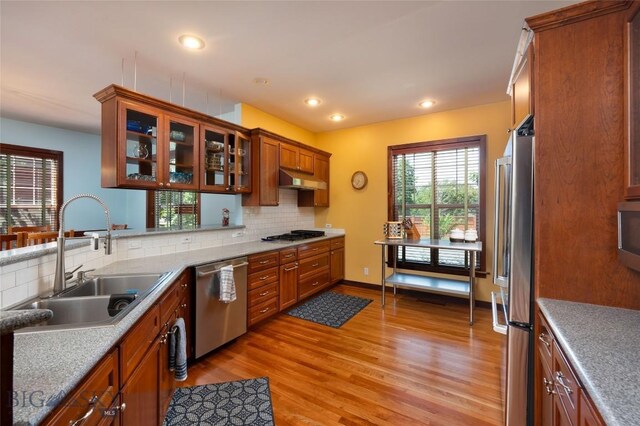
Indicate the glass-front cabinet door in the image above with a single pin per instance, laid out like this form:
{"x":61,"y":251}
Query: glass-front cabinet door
{"x":139,"y":149}
{"x":180,"y":152}
{"x":213,"y":162}
{"x":240,"y":162}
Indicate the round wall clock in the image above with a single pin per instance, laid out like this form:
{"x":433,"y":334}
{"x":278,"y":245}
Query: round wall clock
{"x":359,"y":180}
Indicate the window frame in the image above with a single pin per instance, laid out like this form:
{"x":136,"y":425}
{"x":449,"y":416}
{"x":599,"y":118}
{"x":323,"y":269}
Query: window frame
{"x":434,"y":146}
{"x":151,"y":213}
{"x":41,"y":153}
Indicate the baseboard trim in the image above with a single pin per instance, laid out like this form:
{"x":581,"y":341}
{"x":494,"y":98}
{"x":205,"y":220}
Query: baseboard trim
{"x":428,"y":297}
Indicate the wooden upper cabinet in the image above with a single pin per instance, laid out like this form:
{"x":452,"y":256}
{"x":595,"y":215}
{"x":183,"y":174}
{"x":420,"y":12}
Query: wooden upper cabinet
{"x":319,"y":197}
{"x":632,"y":93}
{"x":264,"y":171}
{"x":148,"y":143}
{"x":296,"y":158}
{"x":522,"y":89}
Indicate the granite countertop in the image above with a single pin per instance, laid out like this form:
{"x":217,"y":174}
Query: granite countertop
{"x":50,"y":364}
{"x":13,"y":320}
{"x":603,"y":346}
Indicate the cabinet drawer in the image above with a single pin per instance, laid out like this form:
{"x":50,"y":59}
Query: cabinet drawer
{"x":137,"y":341}
{"x":545,"y":341}
{"x":169,"y":302}
{"x":313,"y":284}
{"x":263,"y":310}
{"x":337,"y":243}
{"x":311,"y":249}
{"x":313,"y":265}
{"x":101,"y":384}
{"x":261,"y":278}
{"x":288,"y":255}
{"x":565,"y":384}
{"x":263,"y":293}
{"x":259,"y":262}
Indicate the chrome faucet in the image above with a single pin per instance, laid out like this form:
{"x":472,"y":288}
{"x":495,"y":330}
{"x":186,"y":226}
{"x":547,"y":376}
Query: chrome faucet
{"x":59,"y":280}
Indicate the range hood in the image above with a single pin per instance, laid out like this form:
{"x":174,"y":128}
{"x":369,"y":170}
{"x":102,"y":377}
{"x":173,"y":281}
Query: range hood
{"x":297,"y":180}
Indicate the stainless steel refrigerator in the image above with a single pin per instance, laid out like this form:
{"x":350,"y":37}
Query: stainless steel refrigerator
{"x":513,"y":269}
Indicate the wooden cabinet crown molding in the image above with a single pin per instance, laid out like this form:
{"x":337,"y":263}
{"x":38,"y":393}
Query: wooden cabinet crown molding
{"x":262,"y":132}
{"x":575,"y":13}
{"x":119,"y":91}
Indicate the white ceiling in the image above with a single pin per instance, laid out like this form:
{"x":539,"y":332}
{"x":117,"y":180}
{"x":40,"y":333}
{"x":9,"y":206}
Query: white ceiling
{"x":371,"y":61}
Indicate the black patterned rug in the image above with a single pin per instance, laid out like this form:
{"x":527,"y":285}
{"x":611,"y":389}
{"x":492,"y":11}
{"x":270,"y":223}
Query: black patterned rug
{"x":244,"y":402}
{"x":332,"y":309}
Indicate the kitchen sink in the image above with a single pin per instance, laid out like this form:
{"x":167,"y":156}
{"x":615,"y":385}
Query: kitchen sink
{"x":113,"y":284}
{"x":99,"y":301}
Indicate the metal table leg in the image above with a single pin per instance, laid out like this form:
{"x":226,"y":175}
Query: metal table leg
{"x":472,"y":279}
{"x":395,"y":260}
{"x":384,"y":272}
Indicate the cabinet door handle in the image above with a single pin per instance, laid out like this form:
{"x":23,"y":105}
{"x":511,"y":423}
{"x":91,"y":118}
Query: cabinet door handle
{"x":184,"y":305}
{"x":291,"y":269}
{"x":315,"y":284}
{"x":560,"y":381}
{"x":315,"y":249}
{"x":548,"y":386}
{"x":288,"y":255}
{"x":264,"y":293}
{"x":184,"y":285}
{"x":264,"y":277}
{"x":542,"y":338}
{"x":315,"y":264}
{"x":264,"y":310}
{"x":92,"y":407}
{"x":264,"y":262}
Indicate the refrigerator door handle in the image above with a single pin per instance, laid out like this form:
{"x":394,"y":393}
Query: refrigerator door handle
{"x":501,"y":207}
{"x":497,"y":326}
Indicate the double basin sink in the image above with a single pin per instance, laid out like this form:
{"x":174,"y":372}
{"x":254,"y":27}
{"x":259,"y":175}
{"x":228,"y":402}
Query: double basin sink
{"x":98,"y":301}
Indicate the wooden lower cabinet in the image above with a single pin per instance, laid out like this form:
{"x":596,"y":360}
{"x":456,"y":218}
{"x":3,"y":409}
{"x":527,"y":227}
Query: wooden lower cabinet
{"x":560,"y":399}
{"x":288,"y":285}
{"x":337,"y":265}
{"x":96,"y":398}
{"x":133,"y":383}
{"x":140,"y":393}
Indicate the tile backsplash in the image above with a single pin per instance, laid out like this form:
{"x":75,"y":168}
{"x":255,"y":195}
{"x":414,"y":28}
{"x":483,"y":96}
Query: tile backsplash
{"x":29,"y":278}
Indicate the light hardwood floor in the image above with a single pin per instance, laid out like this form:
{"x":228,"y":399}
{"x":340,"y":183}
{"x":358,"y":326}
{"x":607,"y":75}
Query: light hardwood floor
{"x":415,"y":362}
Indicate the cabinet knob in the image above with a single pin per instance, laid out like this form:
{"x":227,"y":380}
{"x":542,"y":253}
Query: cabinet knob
{"x":228,"y":188}
{"x":161,"y":184}
{"x":184,"y":285}
{"x":184,"y":305}
{"x":168,"y":184}
{"x":508,"y":130}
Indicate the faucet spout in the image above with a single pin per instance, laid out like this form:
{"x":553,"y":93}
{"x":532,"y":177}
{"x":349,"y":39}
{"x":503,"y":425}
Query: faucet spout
{"x":59,"y":280}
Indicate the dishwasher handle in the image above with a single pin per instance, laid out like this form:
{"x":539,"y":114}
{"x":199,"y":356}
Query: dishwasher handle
{"x":215,"y":271}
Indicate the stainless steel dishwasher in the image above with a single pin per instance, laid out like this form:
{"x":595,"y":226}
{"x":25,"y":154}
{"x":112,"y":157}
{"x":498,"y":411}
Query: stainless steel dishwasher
{"x":216,"y":322}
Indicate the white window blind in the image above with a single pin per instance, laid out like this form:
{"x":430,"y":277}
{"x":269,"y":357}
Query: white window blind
{"x":438,"y":186}
{"x":176,"y":209}
{"x":30,"y":187}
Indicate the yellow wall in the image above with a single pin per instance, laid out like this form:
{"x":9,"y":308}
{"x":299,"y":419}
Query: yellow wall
{"x":253,"y":117}
{"x":362,"y":213}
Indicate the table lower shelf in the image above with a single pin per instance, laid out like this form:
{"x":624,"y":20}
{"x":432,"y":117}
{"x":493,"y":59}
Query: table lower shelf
{"x":430,"y":284}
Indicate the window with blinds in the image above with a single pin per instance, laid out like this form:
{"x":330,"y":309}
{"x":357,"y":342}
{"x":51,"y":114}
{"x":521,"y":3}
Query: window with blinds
{"x":173,"y":209}
{"x":30,"y":186}
{"x":440,"y":186}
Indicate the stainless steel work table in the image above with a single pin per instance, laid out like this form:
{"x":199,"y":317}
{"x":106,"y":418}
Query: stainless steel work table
{"x":431,"y":284}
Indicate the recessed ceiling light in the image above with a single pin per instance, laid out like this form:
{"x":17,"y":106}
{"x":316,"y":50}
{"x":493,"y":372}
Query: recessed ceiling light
{"x":336,"y":117}
{"x":260,"y":80}
{"x":191,"y":42}
{"x":427,"y":104}
{"x":312,"y":101}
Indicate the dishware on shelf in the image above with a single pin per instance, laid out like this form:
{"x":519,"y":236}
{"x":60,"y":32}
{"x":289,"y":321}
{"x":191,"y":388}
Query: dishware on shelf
{"x":151,"y":131}
{"x":140,"y":152}
{"x":242,"y":152}
{"x":471,"y":236}
{"x":456,"y":236}
{"x":214,"y":146}
{"x":134,"y":126}
{"x":139,"y":176}
{"x":177,"y":136}
{"x":180,"y":177}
